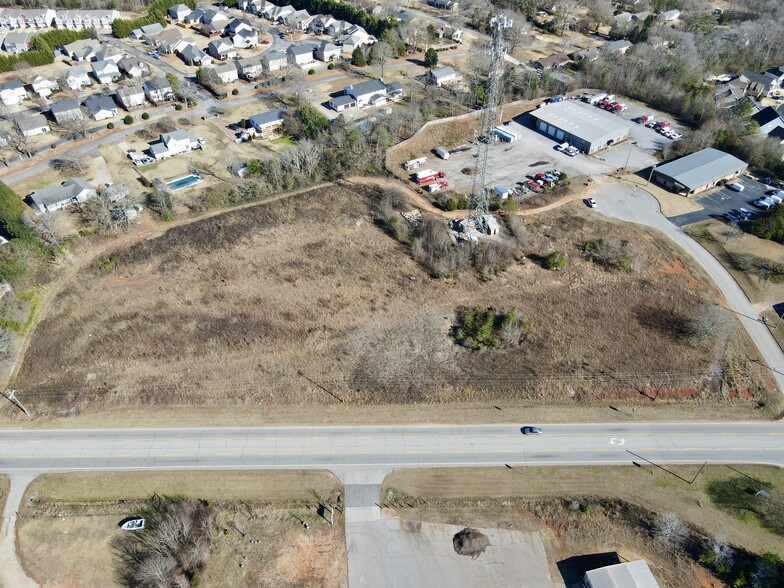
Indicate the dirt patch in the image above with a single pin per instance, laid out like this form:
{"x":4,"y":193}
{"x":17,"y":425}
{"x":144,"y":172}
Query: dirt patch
{"x":307,"y":300}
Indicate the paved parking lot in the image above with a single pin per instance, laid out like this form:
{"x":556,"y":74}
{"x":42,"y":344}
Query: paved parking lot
{"x":718,"y":201}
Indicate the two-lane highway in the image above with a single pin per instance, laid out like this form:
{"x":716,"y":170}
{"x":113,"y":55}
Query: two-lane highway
{"x":389,"y":446}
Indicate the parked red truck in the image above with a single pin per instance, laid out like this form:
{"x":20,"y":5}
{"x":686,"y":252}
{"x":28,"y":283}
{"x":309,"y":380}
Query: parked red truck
{"x":661,"y":125}
{"x":646,"y":118}
{"x":427,"y":176}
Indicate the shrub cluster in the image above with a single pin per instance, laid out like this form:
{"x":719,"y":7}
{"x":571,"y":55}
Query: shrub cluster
{"x":479,"y":328}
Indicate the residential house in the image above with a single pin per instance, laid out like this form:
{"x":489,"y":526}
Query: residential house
{"x":77,"y":78}
{"x":215,"y":20}
{"x":31,"y":125}
{"x":589,"y":54}
{"x":131,"y":97}
{"x":245,"y":39}
{"x":158,"y":90}
{"x":321,"y":23}
{"x":297,"y":20}
{"x":44,"y":85}
{"x":354,"y":37}
{"x":17,"y":42}
{"x":108,"y":53}
{"x":444,"y":4}
{"x":105,"y":72}
{"x":371,"y":93}
{"x":268,"y":122}
{"x":326,"y":51}
{"x":444,"y":75}
{"x":300,"y":55}
{"x":147,"y":31}
{"x":192,"y":55}
{"x":194,"y":17}
{"x":26,"y":18}
{"x":133,"y":67}
{"x":337,"y":27}
{"x":551,"y":62}
{"x":227,"y":72}
{"x":76,"y":20}
{"x":178,"y":12}
{"x":236,"y":25}
{"x":769,"y":119}
{"x":622,"y":18}
{"x":100,"y":106}
{"x":668,"y":16}
{"x":728,"y":94}
{"x":760,"y":84}
{"x":71,"y":191}
{"x":777,"y":75}
{"x":341,"y":103}
{"x":278,"y":13}
{"x":171,"y":41}
{"x":274,"y":60}
{"x":258,"y":7}
{"x":65,"y":111}
{"x":221,"y":49}
{"x":249,"y":68}
{"x":82,"y":49}
{"x":395,"y":90}
{"x":621,"y":46}
{"x":12,"y":92}
{"x":174,"y":143}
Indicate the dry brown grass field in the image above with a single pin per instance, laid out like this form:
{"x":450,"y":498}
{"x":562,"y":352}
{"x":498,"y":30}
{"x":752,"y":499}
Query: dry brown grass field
{"x":307,"y":301}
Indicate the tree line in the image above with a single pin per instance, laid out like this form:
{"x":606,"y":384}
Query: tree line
{"x":42,"y":45}
{"x":156,"y":12}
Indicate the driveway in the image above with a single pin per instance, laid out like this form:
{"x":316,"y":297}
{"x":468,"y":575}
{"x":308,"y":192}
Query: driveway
{"x":629,"y":203}
{"x":718,"y":201}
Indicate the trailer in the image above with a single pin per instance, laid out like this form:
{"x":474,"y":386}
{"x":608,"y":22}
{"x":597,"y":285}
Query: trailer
{"x":596,"y":98}
{"x":437,"y":186}
{"x":428,"y":176}
{"x":501,"y":192}
{"x":505,"y":134}
{"x":442,"y":152}
{"x":415,"y":163}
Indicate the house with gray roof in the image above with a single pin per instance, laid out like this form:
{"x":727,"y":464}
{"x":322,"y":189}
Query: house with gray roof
{"x":699,"y":171}
{"x":147,"y":31}
{"x":341,"y":103}
{"x":221,"y":49}
{"x":370,"y":93}
{"x":105,"y":72}
{"x":77,"y":78}
{"x":17,"y":42}
{"x":444,"y":75}
{"x":174,"y":143}
{"x":630,"y":574}
{"x":64,"y":111}
{"x":51,"y":198}
{"x":768,"y":119}
{"x":12,"y":92}
{"x":133,"y":67}
{"x":249,"y":68}
{"x":192,"y":55}
{"x":130,"y":97}
{"x":268,"y":122}
{"x":300,"y":55}
{"x":178,"y":12}
{"x":620,"y":46}
{"x":326,"y":52}
{"x":227,"y":72}
{"x":31,"y":125}
{"x":158,"y":90}
{"x":44,"y":85}
{"x":100,"y":106}
{"x":274,"y":60}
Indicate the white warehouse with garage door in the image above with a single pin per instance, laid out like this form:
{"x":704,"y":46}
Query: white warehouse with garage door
{"x":587,"y":128}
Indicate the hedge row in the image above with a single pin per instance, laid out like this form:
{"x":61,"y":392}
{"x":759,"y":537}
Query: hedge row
{"x":157,"y":12}
{"x":41,"y":48}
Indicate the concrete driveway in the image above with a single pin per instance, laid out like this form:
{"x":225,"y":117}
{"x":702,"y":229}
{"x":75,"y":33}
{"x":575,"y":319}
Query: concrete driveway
{"x":629,"y":203}
{"x":718,"y":201}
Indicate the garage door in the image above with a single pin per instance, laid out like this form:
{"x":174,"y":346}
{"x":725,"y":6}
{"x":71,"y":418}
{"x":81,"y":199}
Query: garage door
{"x":542,"y":126}
{"x":550,"y":130}
{"x":559,"y":134}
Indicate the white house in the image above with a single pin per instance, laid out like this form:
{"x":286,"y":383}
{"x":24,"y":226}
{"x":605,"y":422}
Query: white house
{"x":354,"y":37}
{"x":133,"y":67}
{"x":267,"y":122}
{"x":249,"y":68}
{"x":77,"y":78}
{"x":82,"y":49}
{"x":100,"y":106}
{"x":178,"y":12}
{"x":215,"y":20}
{"x":130,"y":97}
{"x":192,"y":55}
{"x":245,"y":39}
{"x":71,"y":191}
{"x":17,"y":42}
{"x":44,"y":85}
{"x":237,"y":25}
{"x":147,"y":31}
{"x":105,"y":72}
{"x":274,"y":60}
{"x":12,"y":92}
{"x":26,"y":18}
{"x":227,"y":72}
{"x":75,"y":20}
{"x":158,"y":90}
{"x":108,"y":53}
{"x":371,"y":93}
{"x":31,"y":125}
{"x":321,"y":23}
{"x":300,"y":55}
{"x":65,"y":111}
{"x":174,"y":143}
{"x":326,"y":51}
{"x":444,"y":75}
{"x":669,"y":15}
{"x":221,"y":49}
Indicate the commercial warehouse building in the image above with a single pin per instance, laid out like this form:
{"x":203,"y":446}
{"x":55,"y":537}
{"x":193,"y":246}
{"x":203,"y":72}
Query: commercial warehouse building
{"x":699,"y":171}
{"x":589,"y":129}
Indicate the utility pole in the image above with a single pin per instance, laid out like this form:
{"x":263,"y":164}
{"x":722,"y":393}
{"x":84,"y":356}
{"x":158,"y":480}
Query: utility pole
{"x":11,"y":395}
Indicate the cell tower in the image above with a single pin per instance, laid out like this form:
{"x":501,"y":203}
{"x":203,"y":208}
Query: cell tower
{"x":479,"y":201}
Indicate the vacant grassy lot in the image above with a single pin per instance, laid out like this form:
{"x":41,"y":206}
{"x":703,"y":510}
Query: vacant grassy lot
{"x":589,"y":510}
{"x":307,"y":299}
{"x":69,"y":520}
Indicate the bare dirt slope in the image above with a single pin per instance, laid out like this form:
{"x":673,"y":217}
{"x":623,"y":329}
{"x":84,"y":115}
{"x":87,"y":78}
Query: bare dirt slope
{"x":307,"y":300}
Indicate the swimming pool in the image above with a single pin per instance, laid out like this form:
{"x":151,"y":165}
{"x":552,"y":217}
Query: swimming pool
{"x":184,"y":182}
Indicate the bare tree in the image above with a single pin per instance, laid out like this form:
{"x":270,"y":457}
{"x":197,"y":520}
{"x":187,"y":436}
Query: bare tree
{"x":19,"y":140}
{"x":76,"y":124}
{"x":518,"y":33}
{"x":71,"y":163}
{"x":46,"y":227}
{"x":708,"y":322}
{"x":380,"y":53}
{"x":670,"y":529}
{"x":106,"y":216}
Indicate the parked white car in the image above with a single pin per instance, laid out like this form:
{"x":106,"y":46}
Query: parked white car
{"x":736,"y":187}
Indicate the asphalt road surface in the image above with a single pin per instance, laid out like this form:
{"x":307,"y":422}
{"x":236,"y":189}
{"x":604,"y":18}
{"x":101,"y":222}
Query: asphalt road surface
{"x":346,"y":448}
{"x":719,"y":201}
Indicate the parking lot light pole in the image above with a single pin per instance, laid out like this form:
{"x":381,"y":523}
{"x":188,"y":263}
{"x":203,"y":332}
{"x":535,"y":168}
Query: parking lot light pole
{"x":650,"y":175}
